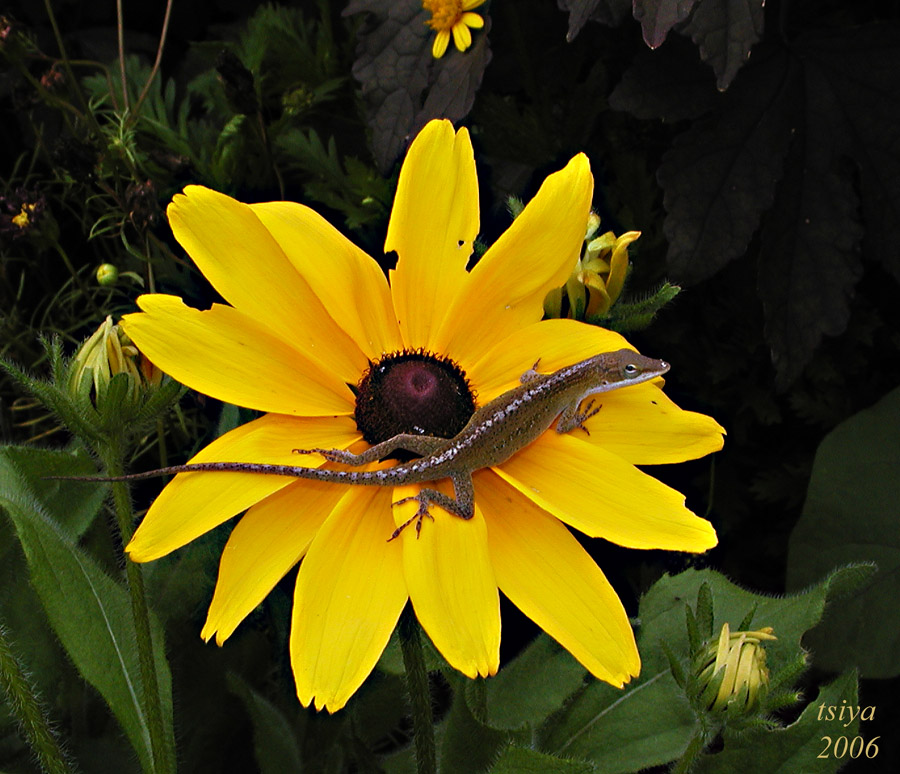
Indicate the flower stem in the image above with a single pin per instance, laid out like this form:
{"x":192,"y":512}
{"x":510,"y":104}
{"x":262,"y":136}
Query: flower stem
{"x":692,"y":753}
{"x":112,"y":460}
{"x":26,"y":708}
{"x":419,"y":693}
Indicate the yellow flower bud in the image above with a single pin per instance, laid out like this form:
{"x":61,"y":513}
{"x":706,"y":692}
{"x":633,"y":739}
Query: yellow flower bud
{"x":107,"y":353}
{"x":598,"y":279}
{"x":731,"y":673}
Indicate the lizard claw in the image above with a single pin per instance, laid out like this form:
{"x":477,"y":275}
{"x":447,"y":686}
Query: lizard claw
{"x":417,"y":517}
{"x":583,"y":416}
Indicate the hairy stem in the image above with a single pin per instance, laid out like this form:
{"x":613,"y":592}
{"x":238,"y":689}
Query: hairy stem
{"x":27,"y":710}
{"x":419,"y":692}
{"x":112,"y":460}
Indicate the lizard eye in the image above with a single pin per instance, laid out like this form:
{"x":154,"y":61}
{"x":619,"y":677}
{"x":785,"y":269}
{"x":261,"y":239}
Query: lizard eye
{"x":631,"y":370}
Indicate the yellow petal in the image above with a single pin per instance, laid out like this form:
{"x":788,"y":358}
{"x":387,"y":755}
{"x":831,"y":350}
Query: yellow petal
{"x":642,"y":425}
{"x":544,"y":571}
{"x":468,"y":5}
{"x":433,"y":224}
{"x":472,"y":20}
{"x":451,"y":585}
{"x":244,"y":263}
{"x":555,"y":343}
{"x":268,"y":540}
{"x":535,"y":254}
{"x":349,"y":283}
{"x":441,"y":41}
{"x":601,"y":495}
{"x":618,"y":264}
{"x":461,"y":36}
{"x":350,"y":592}
{"x":194,"y":503}
{"x":225,"y":354}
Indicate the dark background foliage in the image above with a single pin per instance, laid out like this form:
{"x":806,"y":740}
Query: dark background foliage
{"x":756,"y":147}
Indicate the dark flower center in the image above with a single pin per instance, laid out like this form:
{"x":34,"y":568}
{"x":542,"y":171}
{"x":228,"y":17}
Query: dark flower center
{"x":413,"y":392}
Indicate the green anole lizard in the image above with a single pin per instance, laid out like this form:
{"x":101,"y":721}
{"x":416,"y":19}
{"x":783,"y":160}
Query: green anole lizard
{"x":492,"y":435}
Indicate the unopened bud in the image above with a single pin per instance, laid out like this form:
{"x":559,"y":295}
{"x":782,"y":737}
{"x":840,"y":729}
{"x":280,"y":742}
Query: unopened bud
{"x":107,"y":274}
{"x":731,"y":674}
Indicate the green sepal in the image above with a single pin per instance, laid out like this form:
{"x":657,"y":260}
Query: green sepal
{"x":704,"y":611}
{"x":636,"y":315}
{"x":745,"y":623}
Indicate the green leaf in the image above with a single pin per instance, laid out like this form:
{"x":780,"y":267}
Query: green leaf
{"x":274,"y":741}
{"x":523,"y":760}
{"x":533,"y":686}
{"x":467,"y":744}
{"x":850,"y":515}
{"x":91,"y":615}
{"x":797,"y":748}
{"x":650,"y":722}
{"x":647,"y":724}
{"x":73,"y":507}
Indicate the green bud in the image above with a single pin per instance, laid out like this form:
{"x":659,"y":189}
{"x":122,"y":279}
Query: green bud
{"x":107,"y":275}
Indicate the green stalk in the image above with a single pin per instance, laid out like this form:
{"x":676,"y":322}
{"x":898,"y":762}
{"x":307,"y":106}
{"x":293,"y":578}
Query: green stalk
{"x":26,"y":708}
{"x":419,"y":692}
{"x":112,"y":460}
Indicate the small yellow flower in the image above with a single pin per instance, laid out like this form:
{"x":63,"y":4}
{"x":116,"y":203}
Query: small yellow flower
{"x":23,"y":219}
{"x":340,"y":356}
{"x":452,"y":17}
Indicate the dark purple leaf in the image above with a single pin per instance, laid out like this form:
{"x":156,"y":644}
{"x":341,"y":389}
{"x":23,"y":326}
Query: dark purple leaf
{"x":395,"y":67}
{"x":809,"y":256}
{"x":393,"y":62}
{"x":657,"y":17}
{"x":670,"y":83}
{"x":455,"y":79}
{"x":725,"y":30}
{"x":720,"y":175}
{"x":608,"y":12}
{"x":859,"y":67}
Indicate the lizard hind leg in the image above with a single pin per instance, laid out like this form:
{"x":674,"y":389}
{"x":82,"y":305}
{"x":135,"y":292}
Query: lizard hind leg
{"x":463,"y":505}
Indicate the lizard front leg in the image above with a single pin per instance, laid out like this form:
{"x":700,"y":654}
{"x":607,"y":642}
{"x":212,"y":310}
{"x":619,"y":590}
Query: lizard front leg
{"x":462,"y":505}
{"x":572,"y":418}
{"x":422,"y":445}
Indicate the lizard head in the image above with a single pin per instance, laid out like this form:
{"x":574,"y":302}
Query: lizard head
{"x":625,"y":366}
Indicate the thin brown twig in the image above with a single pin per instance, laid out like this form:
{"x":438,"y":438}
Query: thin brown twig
{"x":120,"y":28}
{"x":156,"y":64}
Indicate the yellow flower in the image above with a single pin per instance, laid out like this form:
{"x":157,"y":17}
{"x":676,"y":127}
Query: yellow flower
{"x":452,"y":17}
{"x":311,"y":322}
